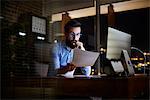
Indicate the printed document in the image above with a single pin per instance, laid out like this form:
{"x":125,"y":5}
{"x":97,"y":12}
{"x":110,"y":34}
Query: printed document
{"x":84,"y":58}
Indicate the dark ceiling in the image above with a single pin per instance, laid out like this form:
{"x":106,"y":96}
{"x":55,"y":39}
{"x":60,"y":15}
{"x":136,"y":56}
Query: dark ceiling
{"x":74,"y":2}
{"x":56,"y":6}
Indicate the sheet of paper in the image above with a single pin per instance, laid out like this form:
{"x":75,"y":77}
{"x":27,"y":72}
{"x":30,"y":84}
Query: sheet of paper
{"x":69,"y":74}
{"x":84,"y":58}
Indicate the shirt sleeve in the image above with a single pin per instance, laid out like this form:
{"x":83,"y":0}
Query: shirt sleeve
{"x":56,"y":56}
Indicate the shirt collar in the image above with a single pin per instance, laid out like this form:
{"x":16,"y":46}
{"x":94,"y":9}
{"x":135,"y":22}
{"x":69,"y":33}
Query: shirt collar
{"x":65,"y":46}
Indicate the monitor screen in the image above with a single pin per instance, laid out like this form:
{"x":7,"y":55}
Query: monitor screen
{"x":116,"y":42}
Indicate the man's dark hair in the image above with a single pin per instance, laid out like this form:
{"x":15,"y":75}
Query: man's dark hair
{"x":70,"y":24}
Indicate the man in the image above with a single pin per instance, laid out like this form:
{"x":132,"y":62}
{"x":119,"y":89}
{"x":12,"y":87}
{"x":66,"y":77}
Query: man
{"x":63,"y":51}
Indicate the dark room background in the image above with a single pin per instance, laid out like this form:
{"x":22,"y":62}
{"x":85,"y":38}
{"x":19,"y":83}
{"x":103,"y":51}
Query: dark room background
{"x":134,"y":22}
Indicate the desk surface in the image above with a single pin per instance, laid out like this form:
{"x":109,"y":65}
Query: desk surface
{"x":104,"y":86}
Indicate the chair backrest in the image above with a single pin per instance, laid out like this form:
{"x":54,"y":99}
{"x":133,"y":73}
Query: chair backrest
{"x":43,"y":52}
{"x":42,"y":61}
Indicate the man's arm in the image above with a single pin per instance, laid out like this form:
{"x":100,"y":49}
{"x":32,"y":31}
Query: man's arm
{"x":63,"y":70}
{"x":85,"y":70}
{"x":56,"y":62}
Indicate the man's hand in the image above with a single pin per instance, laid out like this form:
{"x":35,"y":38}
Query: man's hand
{"x":70,"y":67}
{"x":80,"y":45}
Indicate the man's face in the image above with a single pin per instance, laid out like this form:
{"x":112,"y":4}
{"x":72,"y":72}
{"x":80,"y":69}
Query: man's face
{"x":73,"y":36}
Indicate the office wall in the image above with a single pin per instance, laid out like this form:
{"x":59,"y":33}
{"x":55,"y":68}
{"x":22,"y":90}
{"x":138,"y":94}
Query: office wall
{"x":12,"y":9}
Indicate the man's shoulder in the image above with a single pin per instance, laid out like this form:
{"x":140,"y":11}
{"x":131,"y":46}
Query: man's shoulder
{"x":59,"y":45}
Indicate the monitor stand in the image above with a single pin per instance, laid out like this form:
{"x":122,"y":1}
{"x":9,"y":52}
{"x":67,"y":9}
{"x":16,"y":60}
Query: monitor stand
{"x":125,"y":59}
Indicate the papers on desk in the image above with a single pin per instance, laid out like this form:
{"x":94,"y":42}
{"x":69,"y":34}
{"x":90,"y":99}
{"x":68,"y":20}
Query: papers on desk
{"x":68,"y":74}
{"x":84,"y":58}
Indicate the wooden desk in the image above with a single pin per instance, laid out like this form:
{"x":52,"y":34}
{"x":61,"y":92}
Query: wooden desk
{"x":120,"y":87}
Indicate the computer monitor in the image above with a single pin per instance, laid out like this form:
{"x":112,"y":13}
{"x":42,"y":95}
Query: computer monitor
{"x":116,"y":42}
{"x":118,"y":48}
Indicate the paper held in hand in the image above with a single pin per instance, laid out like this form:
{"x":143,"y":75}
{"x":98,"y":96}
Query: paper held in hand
{"x":84,"y":58}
